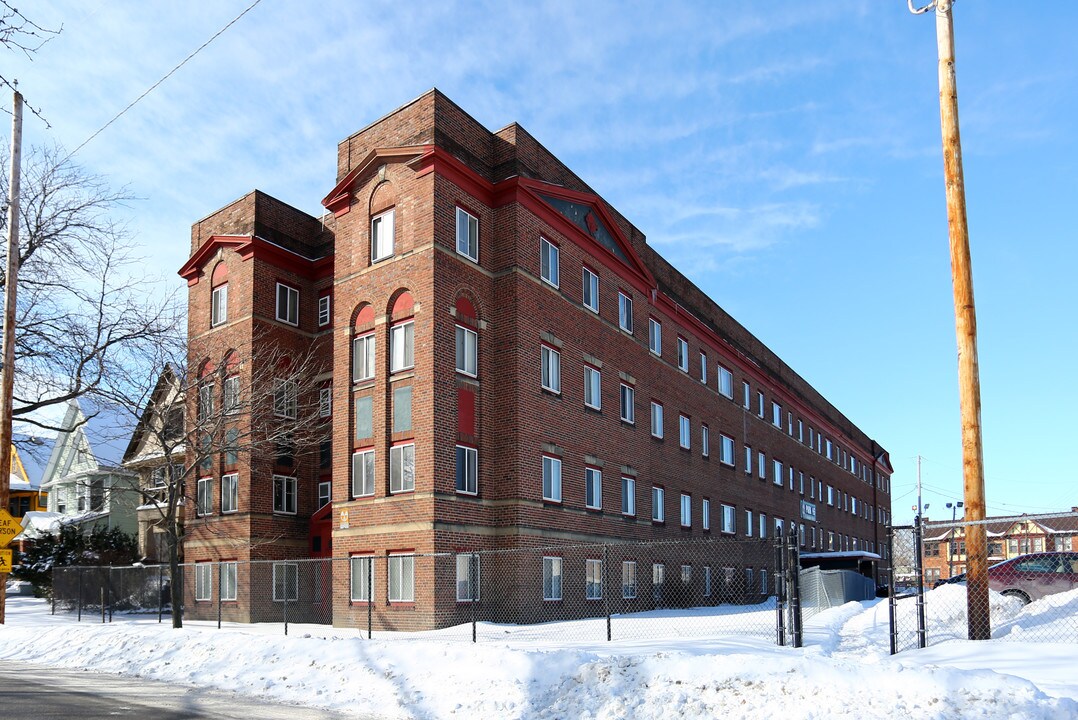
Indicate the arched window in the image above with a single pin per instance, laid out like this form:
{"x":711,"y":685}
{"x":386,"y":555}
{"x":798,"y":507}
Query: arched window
{"x":402,"y":333}
{"x":363,"y":345}
{"x":467,"y":338}
{"x":219,"y":297}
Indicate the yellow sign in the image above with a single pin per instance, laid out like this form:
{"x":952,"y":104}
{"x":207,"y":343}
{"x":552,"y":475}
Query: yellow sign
{"x":9,"y":528}
{"x":5,"y":561}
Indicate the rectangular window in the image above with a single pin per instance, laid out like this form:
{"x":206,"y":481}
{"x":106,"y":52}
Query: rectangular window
{"x":726,"y":382}
{"x":285,"y":398}
{"x":204,"y":504}
{"x":830,"y":450}
{"x":705,"y":512}
{"x":761,"y":465}
{"x":548,"y":261}
{"x":776,"y":466}
{"x":686,"y":510}
{"x":628,"y":496}
{"x":229,"y":493}
{"x":763,"y":526}
{"x":760,"y":404}
{"x":363,"y":473}
{"x":628,"y":579}
{"x":655,"y":336}
{"x":748,"y":395}
{"x":705,"y":440}
{"x":402,"y":408}
{"x":363,"y":358}
{"x":778,"y":527}
{"x":726,"y":456}
{"x":800,"y":432}
{"x":593,"y":388}
{"x":748,"y":523}
{"x":402,"y":347}
{"x":362,"y":578}
{"x":364,"y":418}
{"x":593,"y":579}
{"x":382,"y":236}
{"x":551,"y":478}
{"x":402,"y":468}
{"x":552,"y":578}
{"x":467,"y":351}
{"x":468,"y":577}
{"x":204,"y":581}
{"x":232,"y":395}
{"x":658,"y":497}
{"x":707,"y":581}
{"x":324,"y":312}
{"x":656,"y":419}
{"x":748,"y":460}
{"x":776,"y":414}
{"x":686,"y":574}
{"x":625,"y":312}
{"x":285,"y":582}
{"x":682,"y":355}
{"x":325,"y":488}
{"x":219,"y":305}
{"x":729,"y":519}
{"x":401,"y":578}
{"x":628,"y":403}
{"x":467,"y":235}
{"x":684,"y":431}
{"x":228,"y":581}
{"x":551,"y":369}
{"x":593,"y":488}
{"x":658,"y":574}
{"x":205,"y":400}
{"x":591,"y":290}
{"x":703,"y":368}
{"x":325,"y":402}
{"x":467,"y":470}
{"x":287,"y":304}
{"x":284,"y":494}
{"x":830,"y":496}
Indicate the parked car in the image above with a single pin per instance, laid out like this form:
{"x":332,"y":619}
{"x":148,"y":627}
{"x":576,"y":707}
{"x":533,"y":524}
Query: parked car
{"x":1030,"y":577}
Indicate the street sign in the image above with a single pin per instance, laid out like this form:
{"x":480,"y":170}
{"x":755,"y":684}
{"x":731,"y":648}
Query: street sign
{"x":9,"y":528}
{"x":5,"y":561}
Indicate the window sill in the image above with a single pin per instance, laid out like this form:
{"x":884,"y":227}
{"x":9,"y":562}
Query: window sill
{"x":552,"y":502}
{"x":401,"y":604}
{"x":593,"y":510}
{"x":552,"y":393}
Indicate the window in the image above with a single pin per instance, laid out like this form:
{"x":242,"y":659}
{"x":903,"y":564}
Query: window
{"x":232,"y":394}
{"x":682,"y":355}
{"x":287,"y":304}
{"x":656,"y":419}
{"x":800,"y":432}
{"x":625,"y":312}
{"x":204,"y":503}
{"x":228,"y":581}
{"x":748,"y":523}
{"x":593,"y":578}
{"x":593,"y":488}
{"x":628,"y":496}
{"x":658,"y":574}
{"x":760,"y":404}
{"x":401,"y":578}
{"x":748,"y":460}
{"x":628,"y":579}
{"x":229,"y":493}
{"x":655,"y":336}
{"x":552,"y":578}
{"x":748,"y":580}
{"x":658,"y":496}
{"x":548,"y":261}
{"x":705,"y":512}
{"x":705,"y":440}
{"x":591,"y":290}
{"x":325,"y":488}
{"x":364,"y":419}
{"x":726,"y":382}
{"x":703,"y":368}
{"x":382,"y":236}
{"x":551,"y":375}
{"x":726,"y":454}
{"x":748,"y":395}
{"x":204,"y":581}
{"x":402,"y":347}
{"x":467,"y":470}
{"x":219,"y":305}
{"x":467,"y":235}
{"x":776,"y":414}
{"x":467,"y":351}
{"x":324,"y":313}
{"x":761,"y":465}
{"x":729,"y":519}
{"x":686,"y":510}
{"x":707,"y":581}
{"x":205,"y":400}
{"x":763,"y":582}
{"x":830,"y":450}
{"x":684,"y":431}
{"x":628,"y":403}
{"x":592,"y":388}
{"x":468,"y":584}
{"x":284,"y":494}
{"x":285,"y":582}
{"x":363,"y":358}
{"x":778,"y":527}
{"x":776,"y":466}
{"x":686,"y":574}
{"x":402,"y":468}
{"x":362,"y":572}
{"x":763,"y":526}
{"x":285,"y":398}
{"x":551,"y":478}
{"x":363,"y":473}
{"x":830,"y":495}
{"x":402,"y":408}
{"x":325,"y":402}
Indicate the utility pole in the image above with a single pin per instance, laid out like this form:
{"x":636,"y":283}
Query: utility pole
{"x":969,"y":384}
{"x":7,"y":372}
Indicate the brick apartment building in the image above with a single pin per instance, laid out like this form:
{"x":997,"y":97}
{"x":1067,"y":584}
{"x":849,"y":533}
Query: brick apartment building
{"x":509,"y":365}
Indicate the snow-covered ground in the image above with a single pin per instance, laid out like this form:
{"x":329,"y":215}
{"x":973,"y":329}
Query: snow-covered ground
{"x":844,"y":670}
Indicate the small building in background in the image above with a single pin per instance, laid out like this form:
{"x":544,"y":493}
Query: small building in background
{"x":25,"y":494}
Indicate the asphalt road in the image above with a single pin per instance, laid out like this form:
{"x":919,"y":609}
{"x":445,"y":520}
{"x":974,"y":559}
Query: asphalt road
{"x":36,"y":692}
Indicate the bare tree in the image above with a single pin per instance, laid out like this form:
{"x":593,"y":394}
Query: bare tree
{"x":241,"y":414}
{"x":21,"y":34}
{"x":88,"y":318}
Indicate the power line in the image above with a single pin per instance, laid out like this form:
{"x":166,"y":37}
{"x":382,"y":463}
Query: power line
{"x":166,"y":77}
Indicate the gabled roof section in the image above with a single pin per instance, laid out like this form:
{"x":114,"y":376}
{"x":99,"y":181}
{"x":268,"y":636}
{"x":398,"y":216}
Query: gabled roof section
{"x":71,"y":451}
{"x":248,"y":246}
{"x":167,"y":385}
{"x":339,"y":199}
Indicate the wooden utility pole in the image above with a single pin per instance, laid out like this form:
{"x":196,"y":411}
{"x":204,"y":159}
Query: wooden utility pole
{"x":7,"y":372}
{"x":969,"y":383}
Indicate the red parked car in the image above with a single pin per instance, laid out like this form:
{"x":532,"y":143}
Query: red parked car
{"x":1031,"y":577}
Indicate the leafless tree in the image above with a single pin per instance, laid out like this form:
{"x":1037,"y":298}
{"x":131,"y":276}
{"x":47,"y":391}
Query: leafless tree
{"x":21,"y":34}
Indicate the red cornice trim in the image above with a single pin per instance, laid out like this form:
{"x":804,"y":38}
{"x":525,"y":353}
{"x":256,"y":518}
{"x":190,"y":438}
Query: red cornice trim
{"x":339,"y":199}
{"x":191,"y":271}
{"x":248,"y":247}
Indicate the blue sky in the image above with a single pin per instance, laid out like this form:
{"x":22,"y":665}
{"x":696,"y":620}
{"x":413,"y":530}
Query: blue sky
{"x":785,"y":156}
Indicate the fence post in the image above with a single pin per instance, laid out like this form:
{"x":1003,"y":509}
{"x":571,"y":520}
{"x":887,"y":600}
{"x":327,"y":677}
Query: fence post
{"x":473,"y":562}
{"x":606,"y":593}
{"x":891,"y":610}
{"x":220,"y":587}
{"x":108,"y":593}
{"x":160,"y":592}
{"x":795,"y":587}
{"x":780,"y":591}
{"x":102,"y":591}
{"x":370,"y":594}
{"x":80,"y":595}
{"x":922,"y":639}
{"x":284,"y":605}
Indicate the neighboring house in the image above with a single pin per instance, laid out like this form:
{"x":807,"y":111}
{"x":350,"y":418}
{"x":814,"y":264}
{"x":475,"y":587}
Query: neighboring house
{"x":511,"y":365}
{"x":83,"y":489}
{"x":945,"y":543}
{"x":25,"y":494}
{"x":162,"y":420}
